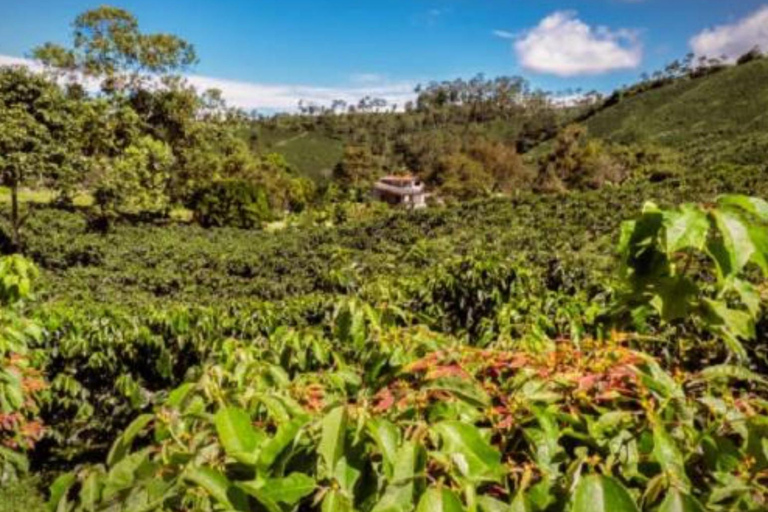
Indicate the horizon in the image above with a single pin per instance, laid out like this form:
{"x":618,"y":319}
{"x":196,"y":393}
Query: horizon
{"x":265,"y":58}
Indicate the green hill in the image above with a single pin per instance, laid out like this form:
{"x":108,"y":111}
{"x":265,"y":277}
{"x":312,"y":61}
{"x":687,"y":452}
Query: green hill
{"x":312,"y":153}
{"x":722,"y":116}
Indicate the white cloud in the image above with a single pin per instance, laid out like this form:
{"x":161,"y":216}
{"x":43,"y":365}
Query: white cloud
{"x":564,"y":45}
{"x":503,"y":34}
{"x":281,"y":97}
{"x":368,"y":78}
{"x":736,"y":39}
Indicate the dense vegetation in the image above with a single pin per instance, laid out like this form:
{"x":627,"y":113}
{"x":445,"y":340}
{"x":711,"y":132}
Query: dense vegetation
{"x":223,"y":320}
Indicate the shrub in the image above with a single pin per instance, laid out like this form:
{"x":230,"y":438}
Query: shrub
{"x":232,"y":203}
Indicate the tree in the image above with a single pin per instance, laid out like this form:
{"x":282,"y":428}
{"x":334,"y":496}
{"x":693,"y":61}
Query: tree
{"x":358,"y":168}
{"x":108,"y":45}
{"x":37,"y":135}
{"x":136,"y":181}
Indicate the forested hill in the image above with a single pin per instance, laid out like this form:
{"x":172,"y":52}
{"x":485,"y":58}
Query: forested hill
{"x":723,"y":114}
{"x":706,"y":114}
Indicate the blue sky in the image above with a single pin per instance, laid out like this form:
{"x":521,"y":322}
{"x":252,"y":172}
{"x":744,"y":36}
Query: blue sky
{"x":290,"y":48}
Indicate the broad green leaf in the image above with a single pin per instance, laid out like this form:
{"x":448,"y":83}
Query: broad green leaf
{"x":677,"y":501}
{"x":177,"y":396}
{"x":737,"y":247}
{"x":215,"y":483}
{"x":237,"y":435}
{"x":757,"y":441}
{"x":520,"y":504}
{"x":674,"y":297}
{"x":598,"y":493}
{"x":125,"y":440}
{"x":476,"y":459}
{"x":90,"y":492}
{"x":399,"y":493}
{"x":753,"y":205}
{"x":759,"y":236}
{"x":685,"y":228}
{"x":289,"y":490}
{"x":668,"y":455}
{"x":285,"y":436}
{"x":336,"y":501}
{"x":334,"y":430}
{"x":731,"y":372}
{"x":59,"y":490}
{"x":465,"y":390}
{"x":439,"y":500}
{"x":346,"y":475}
{"x":749,"y":295}
{"x":488,"y":504}
{"x":123,"y":474}
{"x":733,"y":323}
{"x":387,"y":438}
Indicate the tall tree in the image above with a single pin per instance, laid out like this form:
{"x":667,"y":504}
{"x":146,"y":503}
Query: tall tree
{"x":37,"y":134}
{"x":108,"y":45}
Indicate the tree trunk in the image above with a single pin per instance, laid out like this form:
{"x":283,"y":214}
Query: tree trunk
{"x":15,"y":221}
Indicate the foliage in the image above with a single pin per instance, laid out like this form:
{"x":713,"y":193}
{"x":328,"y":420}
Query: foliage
{"x":370,"y":409}
{"x":36,"y":135}
{"x":662,"y":254}
{"x":107,"y":44}
{"x":21,"y":384}
{"x":231,"y":203}
{"x":136,"y":180}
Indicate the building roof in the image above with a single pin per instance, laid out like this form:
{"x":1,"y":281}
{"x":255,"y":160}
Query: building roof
{"x":400,"y":190}
{"x":394,"y":177}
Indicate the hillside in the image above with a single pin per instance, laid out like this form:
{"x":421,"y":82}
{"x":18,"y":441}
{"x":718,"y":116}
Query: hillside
{"x":311,"y":153}
{"x":724,"y":114}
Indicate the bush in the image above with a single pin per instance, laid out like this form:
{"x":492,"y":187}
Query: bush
{"x":232,"y":203}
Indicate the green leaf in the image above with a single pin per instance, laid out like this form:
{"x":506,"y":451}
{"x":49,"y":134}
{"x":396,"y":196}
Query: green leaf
{"x":123,"y":474}
{"x":399,"y":493}
{"x":334,"y":430}
{"x":237,"y":435}
{"x":439,"y":500}
{"x":90,"y":492}
{"x":520,"y":504}
{"x":177,"y":396}
{"x":387,"y":437}
{"x":488,"y":504}
{"x":669,"y":457}
{"x":124,"y":442}
{"x":216,"y":484}
{"x":734,"y":324}
{"x":685,"y":228}
{"x":476,"y":459}
{"x":598,"y":493}
{"x":285,"y":436}
{"x":749,"y":295}
{"x":753,"y":205}
{"x":336,"y":501}
{"x":677,"y":501}
{"x":731,"y":372}
{"x":289,"y":490}
{"x":674,"y":296}
{"x":59,"y":490}
{"x":735,"y":248}
{"x":759,"y":236}
{"x":463,"y":389}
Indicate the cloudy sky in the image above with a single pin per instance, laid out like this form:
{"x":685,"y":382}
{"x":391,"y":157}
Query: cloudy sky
{"x":268,"y":54}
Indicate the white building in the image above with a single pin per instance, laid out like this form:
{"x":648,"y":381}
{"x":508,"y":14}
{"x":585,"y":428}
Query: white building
{"x":405,"y":191}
